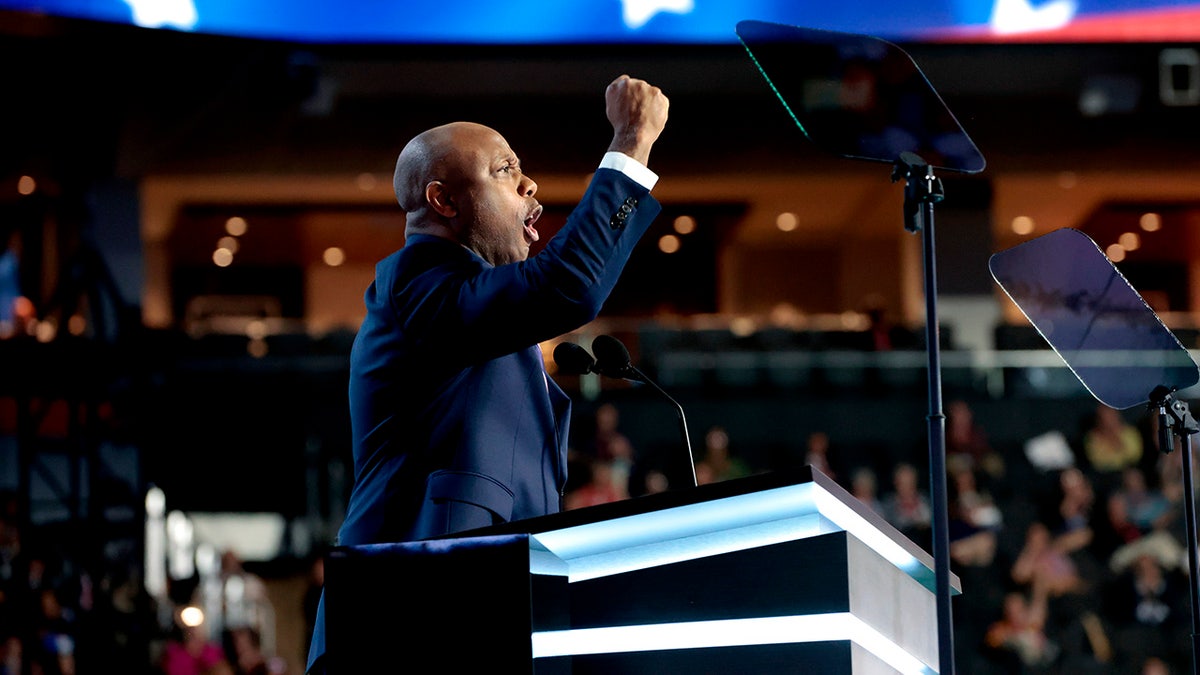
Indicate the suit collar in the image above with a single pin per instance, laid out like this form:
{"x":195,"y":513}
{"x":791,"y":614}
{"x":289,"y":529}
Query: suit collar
{"x":420,"y":239}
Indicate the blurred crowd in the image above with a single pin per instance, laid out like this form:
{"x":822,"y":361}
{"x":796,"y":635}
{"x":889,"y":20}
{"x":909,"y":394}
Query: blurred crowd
{"x":59,"y":616}
{"x":1070,"y":549}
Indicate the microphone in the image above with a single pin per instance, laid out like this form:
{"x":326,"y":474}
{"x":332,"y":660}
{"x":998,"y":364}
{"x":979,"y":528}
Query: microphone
{"x":612,"y":360}
{"x":572,"y":359}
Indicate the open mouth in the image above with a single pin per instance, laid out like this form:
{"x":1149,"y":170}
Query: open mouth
{"x":531,"y":233}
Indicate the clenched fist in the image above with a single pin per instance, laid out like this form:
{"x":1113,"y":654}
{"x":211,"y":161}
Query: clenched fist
{"x":638,"y":113}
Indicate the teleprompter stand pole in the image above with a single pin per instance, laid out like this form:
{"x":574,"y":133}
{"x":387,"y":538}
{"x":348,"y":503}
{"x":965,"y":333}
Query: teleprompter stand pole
{"x":921,"y":191}
{"x":1175,"y":418}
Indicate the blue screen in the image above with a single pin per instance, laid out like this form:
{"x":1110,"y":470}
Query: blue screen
{"x":640,"y":21}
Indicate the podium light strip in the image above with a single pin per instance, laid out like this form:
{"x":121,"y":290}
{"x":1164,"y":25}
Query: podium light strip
{"x":845,"y":518}
{"x":833,"y":627}
{"x":703,"y":529}
{"x":709,"y":528}
{"x":691,"y":547}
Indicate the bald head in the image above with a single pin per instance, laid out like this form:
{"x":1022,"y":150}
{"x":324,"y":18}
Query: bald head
{"x":461,"y":181}
{"x":437,"y":154}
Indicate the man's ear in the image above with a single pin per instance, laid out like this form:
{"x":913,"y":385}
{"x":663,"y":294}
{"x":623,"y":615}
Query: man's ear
{"x":440,"y":200}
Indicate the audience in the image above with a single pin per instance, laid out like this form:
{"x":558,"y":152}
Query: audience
{"x":816,"y":454}
{"x":1052,"y":584}
{"x":1077,"y":570}
{"x":718,"y":462}
{"x":244,"y":650}
{"x":1148,"y":606}
{"x":907,"y":506}
{"x":12,"y":656}
{"x":58,"y":617}
{"x":1018,"y":636}
{"x":599,"y":488}
{"x":1073,"y":522}
{"x":977,"y":506}
{"x":54,"y":636}
{"x":1044,"y":565}
{"x":608,"y":441}
{"x":1134,"y":509}
{"x":967,"y":441}
{"x":1111,"y":444}
{"x":865,"y":488}
{"x":189,"y":651}
{"x":607,"y":453}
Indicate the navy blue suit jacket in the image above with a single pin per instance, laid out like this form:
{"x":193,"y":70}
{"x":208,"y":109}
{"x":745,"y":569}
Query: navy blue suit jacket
{"x":455,"y":423}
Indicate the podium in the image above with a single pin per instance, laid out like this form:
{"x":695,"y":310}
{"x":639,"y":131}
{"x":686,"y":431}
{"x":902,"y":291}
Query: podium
{"x":783,"y":572}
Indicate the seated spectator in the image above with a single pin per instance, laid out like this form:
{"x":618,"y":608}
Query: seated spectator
{"x":1148,"y":607}
{"x":864,"y":487}
{"x":976,"y":504}
{"x":620,"y":464}
{"x":1044,"y":564}
{"x":816,"y":453}
{"x":1020,"y":632}
{"x":1073,"y":526}
{"x":971,"y":546}
{"x":1135,"y":509}
{"x":718,"y":463}
{"x":907,"y":506}
{"x":189,"y":651}
{"x":973,"y":520}
{"x":599,"y":488}
{"x":967,"y":441}
{"x":244,"y":652}
{"x":1111,"y":444}
{"x":608,"y":441}
{"x":12,"y":656}
{"x":53,"y":648}
{"x":1162,"y":546}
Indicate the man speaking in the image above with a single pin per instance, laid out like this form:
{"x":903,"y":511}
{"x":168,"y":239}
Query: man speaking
{"x":455,"y":424}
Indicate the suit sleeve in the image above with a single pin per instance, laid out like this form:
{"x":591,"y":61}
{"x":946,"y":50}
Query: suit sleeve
{"x":490,"y":311}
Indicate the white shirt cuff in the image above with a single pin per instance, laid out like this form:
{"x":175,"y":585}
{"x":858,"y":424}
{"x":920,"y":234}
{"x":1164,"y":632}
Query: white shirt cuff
{"x":629,"y":166}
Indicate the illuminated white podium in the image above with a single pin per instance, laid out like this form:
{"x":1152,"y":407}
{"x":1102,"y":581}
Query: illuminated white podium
{"x":777,"y":573}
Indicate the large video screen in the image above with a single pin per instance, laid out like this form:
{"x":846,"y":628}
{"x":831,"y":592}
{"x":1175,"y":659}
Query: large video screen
{"x":642,"y":21}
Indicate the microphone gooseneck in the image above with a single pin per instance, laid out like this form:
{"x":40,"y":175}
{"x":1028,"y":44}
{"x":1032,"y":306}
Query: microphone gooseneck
{"x":612,"y":360}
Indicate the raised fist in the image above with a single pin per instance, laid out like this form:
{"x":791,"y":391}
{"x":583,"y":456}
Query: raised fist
{"x":638,"y":113}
